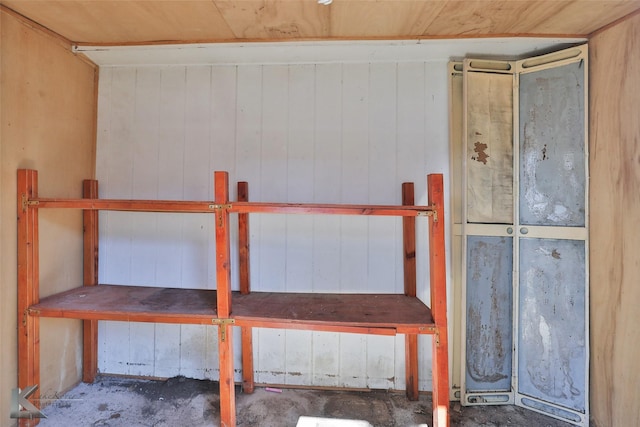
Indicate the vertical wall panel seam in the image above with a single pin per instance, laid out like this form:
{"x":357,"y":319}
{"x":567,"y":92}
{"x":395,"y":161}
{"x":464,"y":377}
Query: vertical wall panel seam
{"x":183,"y":218}
{"x":287,"y":178}
{"x":340,"y":253}
{"x":286,"y":224}
{"x":157,"y":194}
{"x":313,"y":185}
{"x":207,"y":285}
{"x":396,"y":256}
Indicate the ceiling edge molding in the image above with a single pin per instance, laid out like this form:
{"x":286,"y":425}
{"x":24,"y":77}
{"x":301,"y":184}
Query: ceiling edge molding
{"x":318,"y":52}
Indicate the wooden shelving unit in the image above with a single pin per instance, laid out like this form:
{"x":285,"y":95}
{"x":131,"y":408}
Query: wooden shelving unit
{"x":383,"y":314}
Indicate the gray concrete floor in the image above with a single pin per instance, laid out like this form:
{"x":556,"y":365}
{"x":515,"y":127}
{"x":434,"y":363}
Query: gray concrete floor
{"x":185,"y":402}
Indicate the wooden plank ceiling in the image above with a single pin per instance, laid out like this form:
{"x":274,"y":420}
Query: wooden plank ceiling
{"x":144,"y":21}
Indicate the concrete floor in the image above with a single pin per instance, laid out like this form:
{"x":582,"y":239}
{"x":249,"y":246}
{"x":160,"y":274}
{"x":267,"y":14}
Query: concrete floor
{"x":185,"y":402}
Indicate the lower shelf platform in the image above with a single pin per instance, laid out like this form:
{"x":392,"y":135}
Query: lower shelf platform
{"x":380,"y":314}
{"x":131,"y":303}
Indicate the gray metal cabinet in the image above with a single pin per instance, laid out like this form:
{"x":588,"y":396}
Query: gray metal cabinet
{"x":520,"y":244}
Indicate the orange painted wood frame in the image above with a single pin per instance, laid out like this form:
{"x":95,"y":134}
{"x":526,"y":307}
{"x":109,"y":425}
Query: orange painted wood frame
{"x":28,"y":288}
{"x":435,"y":322}
{"x":409,"y":246}
{"x":438,"y":289}
{"x":187,"y":206}
{"x":90,"y":278}
{"x":248,"y":382}
{"x":437,"y":277}
{"x":223,"y":287}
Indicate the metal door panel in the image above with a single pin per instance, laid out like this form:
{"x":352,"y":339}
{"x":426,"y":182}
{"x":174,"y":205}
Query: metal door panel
{"x":552,"y":146}
{"x":489,"y":148}
{"x":489,"y":314}
{"x":552,"y":345}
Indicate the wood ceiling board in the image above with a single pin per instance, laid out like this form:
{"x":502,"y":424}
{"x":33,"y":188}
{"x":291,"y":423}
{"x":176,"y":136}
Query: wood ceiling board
{"x":86,"y":21}
{"x":113,"y":22}
{"x":585,"y":16}
{"x":277,"y":19}
{"x":495,"y":17}
{"x":383,"y":19}
{"x":536,"y":17}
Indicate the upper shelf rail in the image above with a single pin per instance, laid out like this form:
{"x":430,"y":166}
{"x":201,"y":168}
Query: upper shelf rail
{"x":232,"y":207}
{"x":336,"y":209}
{"x":124,"y":205}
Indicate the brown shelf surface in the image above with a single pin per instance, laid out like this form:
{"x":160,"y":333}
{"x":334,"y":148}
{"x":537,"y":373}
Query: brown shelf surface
{"x":384,"y":314}
{"x":131,"y":303}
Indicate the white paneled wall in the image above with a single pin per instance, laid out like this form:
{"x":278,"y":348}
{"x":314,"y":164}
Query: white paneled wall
{"x":331,"y":132}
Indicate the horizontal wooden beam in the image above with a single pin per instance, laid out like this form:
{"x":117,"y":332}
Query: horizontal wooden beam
{"x":335,"y":209}
{"x":125,"y":205}
{"x":235,"y":207}
{"x":310,"y":326}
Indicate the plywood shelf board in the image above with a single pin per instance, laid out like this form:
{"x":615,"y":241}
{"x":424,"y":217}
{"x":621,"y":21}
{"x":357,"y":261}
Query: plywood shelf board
{"x":342,"y":310}
{"x":331,"y":312}
{"x":131,"y":303}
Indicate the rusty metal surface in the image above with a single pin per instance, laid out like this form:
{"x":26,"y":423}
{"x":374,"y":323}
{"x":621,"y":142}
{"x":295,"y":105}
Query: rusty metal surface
{"x":489,"y":148}
{"x":552,"y":141}
{"x":489,"y":317}
{"x":551,"y":335}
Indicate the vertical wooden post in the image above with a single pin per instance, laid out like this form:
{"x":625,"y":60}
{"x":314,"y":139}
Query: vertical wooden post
{"x":437,"y":268}
{"x":90,"y":278}
{"x":28,"y":287}
{"x":227,"y":385}
{"x":409,"y":241}
{"x":223,"y":282}
{"x":409,"y":244}
{"x":245,"y":288}
{"x":223,"y":244}
{"x":243,"y":240}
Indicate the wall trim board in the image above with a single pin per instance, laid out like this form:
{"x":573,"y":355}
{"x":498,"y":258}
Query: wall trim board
{"x":418,"y":39}
{"x":320,"y":52}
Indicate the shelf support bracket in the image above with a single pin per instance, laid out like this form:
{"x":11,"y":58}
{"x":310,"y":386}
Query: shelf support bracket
{"x":26,"y":202}
{"x":220,"y":208}
{"x":223,"y":322}
{"x":433,"y":213}
{"x":217,"y":206}
{"x":428,"y":330}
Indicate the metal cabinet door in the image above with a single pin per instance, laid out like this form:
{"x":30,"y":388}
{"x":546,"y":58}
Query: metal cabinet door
{"x":524,"y":222}
{"x":488,"y":226}
{"x":552,"y":352}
